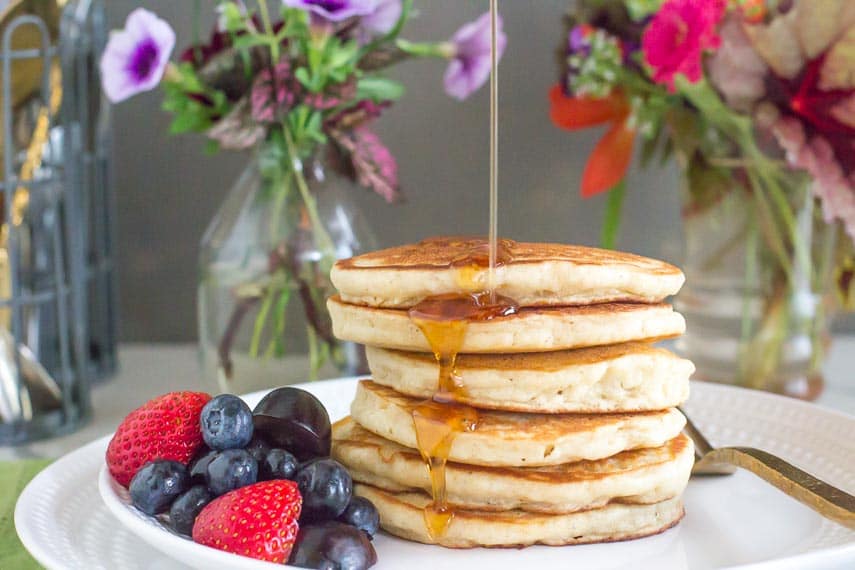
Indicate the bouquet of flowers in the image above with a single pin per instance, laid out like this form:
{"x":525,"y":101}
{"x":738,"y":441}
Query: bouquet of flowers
{"x":291,"y":79}
{"x":756,"y":99}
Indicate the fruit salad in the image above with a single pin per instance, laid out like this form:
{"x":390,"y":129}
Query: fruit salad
{"x":257,"y":483}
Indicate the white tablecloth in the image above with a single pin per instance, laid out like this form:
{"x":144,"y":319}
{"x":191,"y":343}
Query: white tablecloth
{"x":147,"y":370}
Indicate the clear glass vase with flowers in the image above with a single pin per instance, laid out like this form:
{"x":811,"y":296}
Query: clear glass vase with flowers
{"x":298,"y":83}
{"x":756,"y":99}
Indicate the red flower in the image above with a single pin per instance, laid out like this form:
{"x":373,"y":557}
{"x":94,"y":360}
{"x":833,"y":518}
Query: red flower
{"x":678,"y":35}
{"x":610,"y":159}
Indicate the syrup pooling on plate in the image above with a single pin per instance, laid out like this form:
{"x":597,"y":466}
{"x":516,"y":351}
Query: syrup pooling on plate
{"x":443,"y":320}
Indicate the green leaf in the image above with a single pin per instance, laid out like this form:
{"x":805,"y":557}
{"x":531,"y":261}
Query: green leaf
{"x":314,"y":128}
{"x":640,"y":9}
{"x":612,"y":216}
{"x":378,"y":89}
{"x":296,"y":23}
{"x":184,"y":124}
{"x":302,"y":75}
{"x":248,"y":41}
{"x":234,"y":20}
{"x":343,"y":54}
{"x":338,"y":75}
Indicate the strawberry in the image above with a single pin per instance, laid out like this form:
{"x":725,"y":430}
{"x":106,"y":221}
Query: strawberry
{"x":259,"y":521}
{"x":166,"y":427}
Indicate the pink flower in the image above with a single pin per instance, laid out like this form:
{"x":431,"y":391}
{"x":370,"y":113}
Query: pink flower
{"x":677,"y":37}
{"x":136,"y":57}
{"x":470,"y":66}
{"x":735,"y":69}
{"x":816,"y":156}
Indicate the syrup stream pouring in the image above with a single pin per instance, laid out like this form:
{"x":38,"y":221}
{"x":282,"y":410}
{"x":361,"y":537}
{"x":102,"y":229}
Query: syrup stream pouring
{"x":494,"y":147}
{"x":443,"y":321}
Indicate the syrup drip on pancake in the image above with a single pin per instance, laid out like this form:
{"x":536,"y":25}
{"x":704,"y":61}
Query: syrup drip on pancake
{"x":443,"y":320}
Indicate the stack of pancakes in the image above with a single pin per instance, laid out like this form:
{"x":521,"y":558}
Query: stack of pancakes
{"x":578,"y":439}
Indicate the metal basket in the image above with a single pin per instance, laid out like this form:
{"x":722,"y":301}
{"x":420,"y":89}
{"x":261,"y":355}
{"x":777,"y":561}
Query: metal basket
{"x":57,"y":293}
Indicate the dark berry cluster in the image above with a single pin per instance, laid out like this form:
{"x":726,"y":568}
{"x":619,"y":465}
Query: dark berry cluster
{"x":287,"y":436}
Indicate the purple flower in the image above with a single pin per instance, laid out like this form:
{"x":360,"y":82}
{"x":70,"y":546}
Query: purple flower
{"x":136,"y":57}
{"x":334,"y":10}
{"x":470,"y":64}
{"x":579,"y":40}
{"x":384,"y":17}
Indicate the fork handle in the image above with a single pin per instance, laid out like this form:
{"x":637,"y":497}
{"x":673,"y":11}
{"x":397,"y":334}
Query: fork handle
{"x":828,"y":501}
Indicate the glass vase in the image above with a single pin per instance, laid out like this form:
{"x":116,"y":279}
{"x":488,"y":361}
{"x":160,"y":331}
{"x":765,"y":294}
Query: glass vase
{"x":758,"y":298}
{"x":265,"y":261}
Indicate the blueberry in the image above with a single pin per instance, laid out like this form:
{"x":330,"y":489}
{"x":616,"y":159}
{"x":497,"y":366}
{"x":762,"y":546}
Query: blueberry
{"x":362,"y":514}
{"x":277,"y":464}
{"x":231,"y":469}
{"x":187,"y":507}
{"x":226,"y":423}
{"x":157,"y":484}
{"x":332,"y":546}
{"x":326,"y":488}
{"x":293,"y":419}
{"x":258,"y":448}
{"x":199,"y":466}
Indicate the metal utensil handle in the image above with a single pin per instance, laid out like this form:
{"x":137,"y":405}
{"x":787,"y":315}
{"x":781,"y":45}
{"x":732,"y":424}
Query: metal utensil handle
{"x":829,"y":501}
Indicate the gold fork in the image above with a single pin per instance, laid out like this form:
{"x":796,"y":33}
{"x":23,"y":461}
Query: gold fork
{"x":828,"y":501}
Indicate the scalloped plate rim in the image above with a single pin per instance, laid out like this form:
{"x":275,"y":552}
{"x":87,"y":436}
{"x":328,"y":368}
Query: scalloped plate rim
{"x":161,"y":538}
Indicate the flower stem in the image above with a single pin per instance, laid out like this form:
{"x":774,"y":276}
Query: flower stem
{"x":260,"y":321}
{"x":276,"y":209}
{"x":224,"y":349}
{"x":268,"y":27}
{"x":772,"y":234}
{"x":750,"y":280}
{"x":314,"y":353}
{"x":444,"y":50}
{"x":324,"y":241}
{"x":265,"y":16}
{"x":611,"y":221}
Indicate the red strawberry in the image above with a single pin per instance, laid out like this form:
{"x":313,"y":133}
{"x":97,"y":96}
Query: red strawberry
{"x":259,"y":521}
{"x":166,"y":427}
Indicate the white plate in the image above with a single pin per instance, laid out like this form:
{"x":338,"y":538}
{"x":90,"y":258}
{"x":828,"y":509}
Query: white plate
{"x":730,"y":521}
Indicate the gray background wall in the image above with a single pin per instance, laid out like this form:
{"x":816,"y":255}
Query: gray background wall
{"x":168,"y":190}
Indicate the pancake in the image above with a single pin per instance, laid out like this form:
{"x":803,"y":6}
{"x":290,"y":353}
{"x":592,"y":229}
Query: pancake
{"x":642,"y":476}
{"x":519,"y":440}
{"x":618,"y":378}
{"x":535,"y":274}
{"x":530,"y":330}
{"x":401,"y":514}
